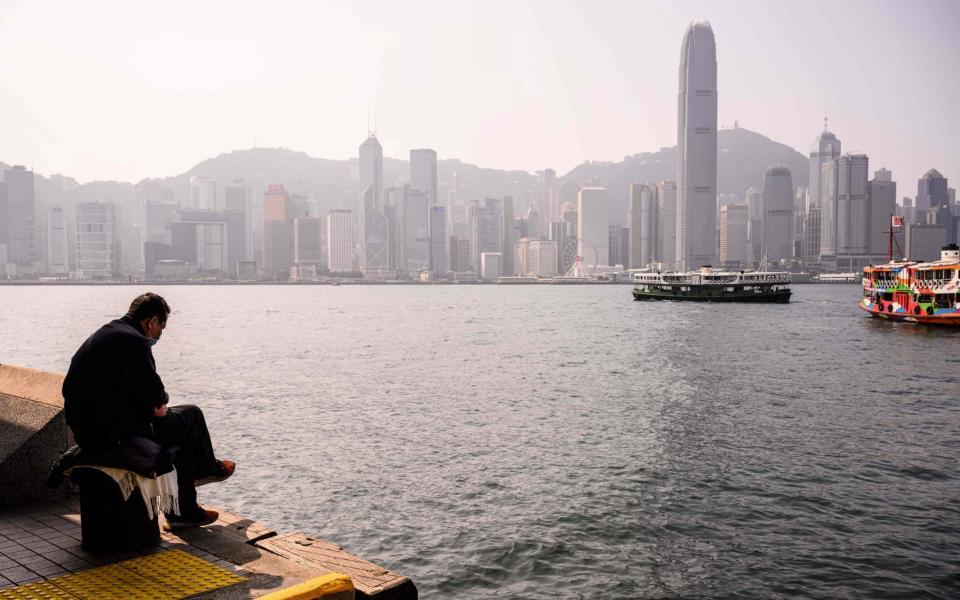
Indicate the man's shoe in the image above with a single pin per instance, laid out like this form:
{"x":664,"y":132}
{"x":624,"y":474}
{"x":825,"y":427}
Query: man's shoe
{"x":195,"y":518}
{"x":225,"y":470}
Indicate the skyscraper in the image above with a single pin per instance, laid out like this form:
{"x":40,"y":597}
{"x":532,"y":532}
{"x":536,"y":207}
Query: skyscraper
{"x":203,"y":193}
{"x":277,"y":232}
{"x":507,"y":237}
{"x":666,"y":247}
{"x":374,"y":228}
{"x":439,"y":259}
{"x":371,"y":167}
{"x":57,"y":261}
{"x":932,"y":191}
{"x":98,"y":240}
{"x":592,"y":227}
{"x":777,"y":214}
{"x":484,"y":230}
{"x":826,"y":148}
{"x":853,"y":214}
{"x":697,"y":148}
{"x":828,"y":208}
{"x":340,"y":240}
{"x":733,"y":235}
{"x":415,"y":227}
{"x":423,"y":173}
{"x":883,"y":203}
{"x":21,"y":234}
{"x":642,"y":217}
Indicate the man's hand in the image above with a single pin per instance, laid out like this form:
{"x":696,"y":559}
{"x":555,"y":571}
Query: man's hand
{"x":160,"y":411}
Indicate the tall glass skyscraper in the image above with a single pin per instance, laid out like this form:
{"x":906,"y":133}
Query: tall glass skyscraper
{"x":697,"y":148}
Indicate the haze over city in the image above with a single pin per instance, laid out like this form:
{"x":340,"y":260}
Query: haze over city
{"x":119,"y":91}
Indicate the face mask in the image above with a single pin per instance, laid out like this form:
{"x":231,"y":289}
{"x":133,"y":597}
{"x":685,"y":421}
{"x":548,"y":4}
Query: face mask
{"x":153,"y":341}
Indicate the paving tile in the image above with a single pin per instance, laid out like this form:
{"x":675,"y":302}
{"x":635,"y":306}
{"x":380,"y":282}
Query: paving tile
{"x":51,"y":571}
{"x":76,"y":565}
{"x":59,"y":556}
{"x":19,"y":575}
{"x":32,"y":560}
{"x":20,"y":554}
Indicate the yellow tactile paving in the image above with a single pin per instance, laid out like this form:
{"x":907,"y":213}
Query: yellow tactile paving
{"x":171,"y":575}
{"x":185,"y":574}
{"x":43,"y":590}
{"x":112,"y":582}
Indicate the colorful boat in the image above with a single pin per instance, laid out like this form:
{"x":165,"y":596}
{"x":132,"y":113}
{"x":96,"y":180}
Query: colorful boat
{"x":917,"y":292}
{"x":707,"y":285}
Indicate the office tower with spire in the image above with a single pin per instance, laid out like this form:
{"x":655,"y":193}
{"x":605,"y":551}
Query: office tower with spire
{"x":826,"y":148}
{"x":777,"y":222}
{"x":697,"y":149}
{"x":374,"y":228}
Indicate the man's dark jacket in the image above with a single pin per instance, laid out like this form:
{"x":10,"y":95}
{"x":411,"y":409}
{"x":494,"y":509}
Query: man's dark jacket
{"x":112,"y":387}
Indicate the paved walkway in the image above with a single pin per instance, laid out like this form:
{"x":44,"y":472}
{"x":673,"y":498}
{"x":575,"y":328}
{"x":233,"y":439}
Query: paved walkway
{"x":40,"y":542}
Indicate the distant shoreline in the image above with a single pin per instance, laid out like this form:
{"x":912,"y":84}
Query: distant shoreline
{"x":340,"y":283}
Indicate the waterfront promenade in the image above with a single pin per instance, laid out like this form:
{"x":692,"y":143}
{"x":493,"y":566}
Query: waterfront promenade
{"x":40,"y":530}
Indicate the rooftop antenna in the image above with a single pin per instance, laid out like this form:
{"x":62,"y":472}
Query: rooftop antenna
{"x":824,"y":120}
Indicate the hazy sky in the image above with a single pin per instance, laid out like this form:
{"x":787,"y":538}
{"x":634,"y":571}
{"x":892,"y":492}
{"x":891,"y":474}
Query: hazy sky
{"x":126,"y":90}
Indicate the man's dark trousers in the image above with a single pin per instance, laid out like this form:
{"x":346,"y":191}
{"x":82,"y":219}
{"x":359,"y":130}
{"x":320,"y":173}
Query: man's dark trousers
{"x":184,"y":427}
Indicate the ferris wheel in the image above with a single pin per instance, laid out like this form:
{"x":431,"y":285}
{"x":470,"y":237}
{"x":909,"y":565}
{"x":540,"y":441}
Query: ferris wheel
{"x":581,"y":267}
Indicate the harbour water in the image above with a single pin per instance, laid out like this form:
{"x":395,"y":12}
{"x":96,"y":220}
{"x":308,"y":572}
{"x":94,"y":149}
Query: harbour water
{"x":566,"y":441}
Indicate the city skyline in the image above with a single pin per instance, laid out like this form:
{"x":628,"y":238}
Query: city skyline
{"x":783,"y":92}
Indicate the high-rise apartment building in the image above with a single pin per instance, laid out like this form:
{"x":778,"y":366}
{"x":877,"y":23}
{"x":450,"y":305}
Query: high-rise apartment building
{"x":777,"y":224}
{"x":340,"y":240}
{"x":697,"y":149}
{"x":734,"y":219}
{"x":592,"y":227}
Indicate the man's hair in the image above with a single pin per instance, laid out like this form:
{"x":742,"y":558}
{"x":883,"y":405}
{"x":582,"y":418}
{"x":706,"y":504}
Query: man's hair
{"x":147,"y":306}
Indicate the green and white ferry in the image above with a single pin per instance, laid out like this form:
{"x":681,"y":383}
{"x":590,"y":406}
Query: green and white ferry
{"x":707,"y":285}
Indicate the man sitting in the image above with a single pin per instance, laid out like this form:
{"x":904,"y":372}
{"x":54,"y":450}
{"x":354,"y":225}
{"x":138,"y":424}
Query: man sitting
{"x":113,"y":394}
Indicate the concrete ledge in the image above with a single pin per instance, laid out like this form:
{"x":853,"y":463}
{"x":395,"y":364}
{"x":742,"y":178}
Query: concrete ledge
{"x":33,"y":431}
{"x":39,"y":386}
{"x":333,"y":586}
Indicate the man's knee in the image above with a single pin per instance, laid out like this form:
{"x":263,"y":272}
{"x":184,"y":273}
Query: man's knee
{"x":187,"y":411}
